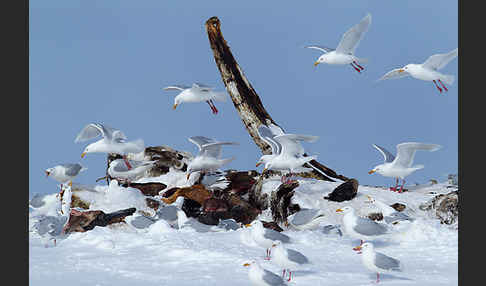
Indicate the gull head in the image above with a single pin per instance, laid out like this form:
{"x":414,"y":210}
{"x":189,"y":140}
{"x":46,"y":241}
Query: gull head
{"x":93,"y":147}
{"x":344,"y":210}
{"x":177,"y":101}
{"x":378,"y":169}
{"x":363,"y":247}
{"x":264,"y":159}
{"x":408,"y":68}
{"x":49,"y":171}
{"x":321,"y":59}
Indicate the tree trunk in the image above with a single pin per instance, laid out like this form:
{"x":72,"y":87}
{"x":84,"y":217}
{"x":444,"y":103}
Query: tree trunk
{"x":246,"y":100}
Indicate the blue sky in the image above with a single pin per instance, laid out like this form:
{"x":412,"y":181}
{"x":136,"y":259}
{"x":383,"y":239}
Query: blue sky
{"x":106,"y":61}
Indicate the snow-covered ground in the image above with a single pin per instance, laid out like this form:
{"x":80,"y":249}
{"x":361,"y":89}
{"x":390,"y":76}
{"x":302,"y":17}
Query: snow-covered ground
{"x":196,"y":254}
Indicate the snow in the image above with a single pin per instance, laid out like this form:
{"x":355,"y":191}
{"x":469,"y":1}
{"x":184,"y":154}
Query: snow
{"x":197,"y":254}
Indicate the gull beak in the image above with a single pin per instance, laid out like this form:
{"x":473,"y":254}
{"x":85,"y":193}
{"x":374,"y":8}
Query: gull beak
{"x":188,"y":175}
{"x":339,"y":210}
{"x":47,"y":174}
{"x":274,"y":245}
{"x":371,"y":172}
{"x":316,"y":63}
{"x":258,"y":164}
{"x":247,"y":225}
{"x":83,"y":154}
{"x":401,"y":70}
{"x":174,"y":107}
{"x":357,"y":248}
{"x":246,"y":264}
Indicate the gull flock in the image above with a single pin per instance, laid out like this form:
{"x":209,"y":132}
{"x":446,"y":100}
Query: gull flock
{"x":287,"y":155}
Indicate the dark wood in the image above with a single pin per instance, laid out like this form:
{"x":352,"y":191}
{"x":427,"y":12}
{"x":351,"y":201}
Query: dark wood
{"x":246,"y":100}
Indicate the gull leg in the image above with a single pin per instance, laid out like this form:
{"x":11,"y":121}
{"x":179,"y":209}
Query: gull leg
{"x":283,"y":273}
{"x":377,"y":277}
{"x":215,"y":110}
{"x":445,"y":88}
{"x":394,"y":188}
{"x":440,"y":89}
{"x":290,"y":275}
{"x":126,"y":162}
{"x":362,"y":68}
{"x":357,"y":69}
{"x":401,"y":188}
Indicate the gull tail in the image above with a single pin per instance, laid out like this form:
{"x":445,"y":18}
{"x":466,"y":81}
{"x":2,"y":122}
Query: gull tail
{"x":139,"y":144}
{"x":418,"y":167}
{"x":83,"y":169}
{"x":362,"y":60}
{"x":447,"y":78}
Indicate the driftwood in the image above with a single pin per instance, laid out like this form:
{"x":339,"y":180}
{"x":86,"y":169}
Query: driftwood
{"x":280,"y":202}
{"x":246,"y":100}
{"x":83,"y":221}
{"x":149,"y":189}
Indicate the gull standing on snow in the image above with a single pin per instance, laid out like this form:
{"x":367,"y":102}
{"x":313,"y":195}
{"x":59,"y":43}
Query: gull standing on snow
{"x":390,"y":215}
{"x":266,"y":237}
{"x":287,"y":152}
{"x":401,"y":166}
{"x":262,"y":277}
{"x":118,"y":169}
{"x":209,"y":155}
{"x":344,"y":53}
{"x":197,"y":93}
{"x":377,"y":261}
{"x":360,"y":227}
{"x":64,"y":173}
{"x":287,"y":258}
{"x":112,"y":141}
{"x":306,"y":219}
{"x":428,"y":70}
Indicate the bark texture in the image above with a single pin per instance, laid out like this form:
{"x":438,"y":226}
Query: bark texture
{"x":246,"y":100}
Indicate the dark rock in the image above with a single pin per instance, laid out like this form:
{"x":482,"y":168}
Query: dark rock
{"x":191,"y":208}
{"x":375,"y":216}
{"x":77,"y":202}
{"x":272,"y":225}
{"x":398,"y":207}
{"x":214,"y":205}
{"x":169,"y":192}
{"x":83,"y":221}
{"x":344,"y":192}
{"x":153,"y":204}
{"x":198,"y":193}
{"x":444,"y":206}
{"x":148,"y":189}
{"x":240,"y":182}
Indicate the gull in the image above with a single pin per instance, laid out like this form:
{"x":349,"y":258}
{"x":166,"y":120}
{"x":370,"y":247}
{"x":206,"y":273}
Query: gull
{"x":266,"y":237}
{"x":306,"y":219}
{"x":287,"y":258}
{"x":344,"y":53}
{"x":198,"y":92}
{"x":360,"y":227}
{"x":401,"y":165}
{"x":209,"y":155}
{"x":377,"y":261}
{"x":118,"y":169}
{"x":64,"y":173}
{"x":390,"y":215}
{"x":112,"y":141}
{"x":287,"y":152}
{"x":428,"y":70}
{"x":262,"y":277}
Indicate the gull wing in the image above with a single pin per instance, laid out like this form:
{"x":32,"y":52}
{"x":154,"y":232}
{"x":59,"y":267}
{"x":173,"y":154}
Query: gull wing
{"x":72,"y":169}
{"x":438,"y":61}
{"x":200,"y":141}
{"x":93,"y":130}
{"x":275,"y":235}
{"x":386,"y":262}
{"x":214,"y":149}
{"x":368,"y":227}
{"x":353,"y":36}
{"x":202,"y":87}
{"x":320,"y":48}
{"x":177,"y":87}
{"x":395,"y":74}
{"x":297,"y":257}
{"x":406,"y":152}
{"x":387,"y":155}
{"x":290,"y":143}
{"x":266,"y":135}
{"x":271,"y":278}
